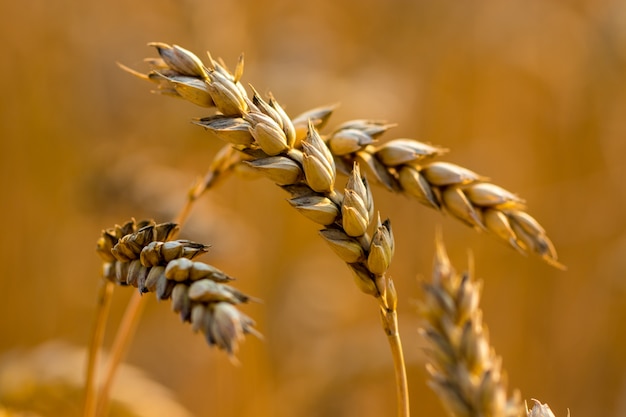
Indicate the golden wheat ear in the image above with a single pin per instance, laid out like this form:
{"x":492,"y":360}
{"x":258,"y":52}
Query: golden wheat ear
{"x":141,"y":255}
{"x":263,"y":131}
{"x":464,"y":370}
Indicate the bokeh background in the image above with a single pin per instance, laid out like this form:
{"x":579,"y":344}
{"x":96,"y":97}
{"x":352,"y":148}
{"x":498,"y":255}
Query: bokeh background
{"x":530,"y":93}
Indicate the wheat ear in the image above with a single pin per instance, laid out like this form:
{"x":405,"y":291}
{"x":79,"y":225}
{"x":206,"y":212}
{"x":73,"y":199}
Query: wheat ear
{"x":401,"y":165}
{"x":147,"y":260}
{"x":464,"y":369}
{"x":224,"y":161}
{"x":298,"y":159}
{"x":143,"y":256}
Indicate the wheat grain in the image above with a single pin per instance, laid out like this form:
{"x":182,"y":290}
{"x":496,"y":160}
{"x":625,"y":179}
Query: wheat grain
{"x":140,"y":255}
{"x":540,"y":410}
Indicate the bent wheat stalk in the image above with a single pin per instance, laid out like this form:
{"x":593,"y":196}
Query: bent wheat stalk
{"x":299,"y":160}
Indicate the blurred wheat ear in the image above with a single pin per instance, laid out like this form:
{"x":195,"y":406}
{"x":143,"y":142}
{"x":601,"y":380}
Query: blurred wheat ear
{"x":464,"y":370}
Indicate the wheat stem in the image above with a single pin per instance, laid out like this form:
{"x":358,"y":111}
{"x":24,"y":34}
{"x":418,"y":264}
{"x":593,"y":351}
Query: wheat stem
{"x":193,"y":194}
{"x":223,"y":163}
{"x":390,"y":325}
{"x":105,"y":295}
{"x":123,"y":337}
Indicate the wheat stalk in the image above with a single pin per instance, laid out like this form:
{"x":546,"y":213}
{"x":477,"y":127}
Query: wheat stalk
{"x":464,"y":369}
{"x":293,"y":154}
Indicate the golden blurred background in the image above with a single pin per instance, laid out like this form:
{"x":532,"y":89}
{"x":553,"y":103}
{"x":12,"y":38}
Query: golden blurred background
{"x":530,"y":93}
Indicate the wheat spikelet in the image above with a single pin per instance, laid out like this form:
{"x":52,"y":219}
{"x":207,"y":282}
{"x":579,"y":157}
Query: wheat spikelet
{"x":464,"y":369}
{"x":141,"y":255}
{"x":540,"y":410}
{"x":270,"y":138}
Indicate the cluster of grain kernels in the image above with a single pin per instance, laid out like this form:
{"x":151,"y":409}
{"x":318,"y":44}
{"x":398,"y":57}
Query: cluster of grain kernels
{"x":401,"y":165}
{"x":140,"y":255}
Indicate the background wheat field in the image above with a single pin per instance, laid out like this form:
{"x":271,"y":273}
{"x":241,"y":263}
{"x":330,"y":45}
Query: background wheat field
{"x":529,"y":93}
